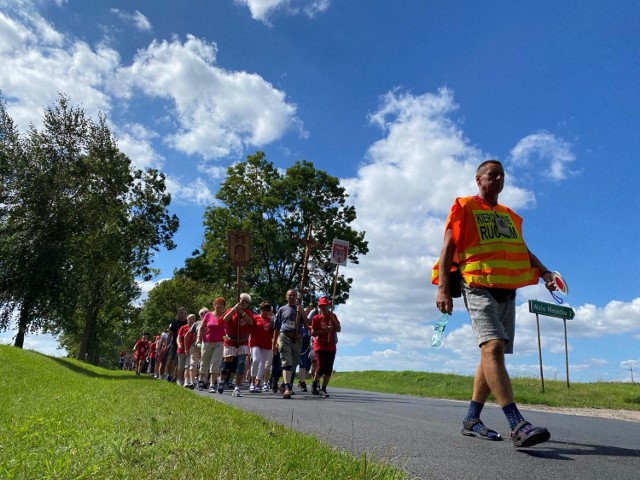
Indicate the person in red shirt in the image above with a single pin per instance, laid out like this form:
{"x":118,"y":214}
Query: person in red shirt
{"x":261,"y":352}
{"x":182,"y":350}
{"x":237,"y":327}
{"x":151,"y":356}
{"x":140,"y":352}
{"x":324,"y":327}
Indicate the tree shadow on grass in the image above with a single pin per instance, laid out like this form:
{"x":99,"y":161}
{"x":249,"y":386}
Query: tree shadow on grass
{"x":88,"y":371}
{"x":565,"y":451}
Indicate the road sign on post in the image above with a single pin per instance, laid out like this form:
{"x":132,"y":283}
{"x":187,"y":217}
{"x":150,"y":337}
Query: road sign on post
{"x":557,"y":311}
{"x":551,"y":310}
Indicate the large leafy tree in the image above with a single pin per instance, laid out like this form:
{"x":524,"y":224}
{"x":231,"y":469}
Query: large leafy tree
{"x":37,"y":221}
{"x":94,"y":222}
{"x":166,"y":297}
{"x":278,"y":209}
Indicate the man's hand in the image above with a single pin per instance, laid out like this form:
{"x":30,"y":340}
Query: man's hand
{"x":444,"y":301}
{"x":547,"y":277}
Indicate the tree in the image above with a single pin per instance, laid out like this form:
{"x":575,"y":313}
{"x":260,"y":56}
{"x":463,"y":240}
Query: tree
{"x":94,"y":221}
{"x":36,"y":221}
{"x":277,"y":209}
{"x":166,"y":297}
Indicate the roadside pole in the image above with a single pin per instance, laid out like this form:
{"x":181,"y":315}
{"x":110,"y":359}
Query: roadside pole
{"x":557,"y":311}
{"x":540,"y":354}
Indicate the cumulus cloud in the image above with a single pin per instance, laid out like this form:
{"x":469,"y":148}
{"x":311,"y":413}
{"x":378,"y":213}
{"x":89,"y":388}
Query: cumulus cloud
{"x":261,"y":10}
{"x":135,"y":141}
{"x":192,"y":192}
{"x":544,"y":151}
{"x":136,"y":19}
{"x":38,"y":63}
{"x":207,"y":111}
{"x":218,"y":112}
{"x":402,"y":194}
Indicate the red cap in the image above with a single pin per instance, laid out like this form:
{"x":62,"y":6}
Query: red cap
{"x":324,"y":301}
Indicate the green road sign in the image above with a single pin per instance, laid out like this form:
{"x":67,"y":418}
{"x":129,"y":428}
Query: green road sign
{"x":551,"y":310}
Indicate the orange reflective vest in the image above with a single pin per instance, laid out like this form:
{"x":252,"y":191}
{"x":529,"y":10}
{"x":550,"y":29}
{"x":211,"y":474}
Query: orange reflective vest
{"x":488,"y":257}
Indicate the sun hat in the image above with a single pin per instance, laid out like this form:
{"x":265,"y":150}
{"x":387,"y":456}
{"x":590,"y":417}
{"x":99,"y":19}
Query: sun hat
{"x":324,"y":301}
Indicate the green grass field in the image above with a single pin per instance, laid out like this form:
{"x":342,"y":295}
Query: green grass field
{"x":619,"y":396}
{"x":63,"y":419}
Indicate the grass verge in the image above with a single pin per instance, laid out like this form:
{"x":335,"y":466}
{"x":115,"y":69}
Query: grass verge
{"x":63,"y":419}
{"x":619,"y":396}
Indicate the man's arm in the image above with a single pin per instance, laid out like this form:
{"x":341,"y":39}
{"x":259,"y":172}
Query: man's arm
{"x":444,"y":301}
{"x":546,"y":275}
{"x":303,"y":315}
{"x":274,"y":341}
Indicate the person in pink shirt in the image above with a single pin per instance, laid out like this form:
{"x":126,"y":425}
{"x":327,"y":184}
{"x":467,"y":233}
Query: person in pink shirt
{"x":237,"y":327}
{"x":261,"y":352}
{"x":210,"y":338}
{"x":324,"y":326}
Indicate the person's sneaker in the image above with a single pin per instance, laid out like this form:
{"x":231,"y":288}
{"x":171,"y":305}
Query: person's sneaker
{"x":257,"y":389}
{"x":236,"y":392}
{"x":281,"y":388}
{"x":314,"y":388}
{"x":252,"y":388}
{"x":323,"y":392}
{"x":286,"y":394}
{"x":302,"y":386}
{"x":212,"y":388}
{"x":220,"y":386}
{"x":200,"y":385}
{"x":265,"y":387}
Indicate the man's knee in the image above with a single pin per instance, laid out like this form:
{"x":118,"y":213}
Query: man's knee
{"x":493,"y":349}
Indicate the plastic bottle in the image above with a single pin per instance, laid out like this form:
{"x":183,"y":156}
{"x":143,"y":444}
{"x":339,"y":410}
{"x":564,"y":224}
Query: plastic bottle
{"x":439,"y":327}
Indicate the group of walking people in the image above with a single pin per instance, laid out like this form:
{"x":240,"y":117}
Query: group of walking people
{"x":483,"y":259}
{"x":226,"y":347}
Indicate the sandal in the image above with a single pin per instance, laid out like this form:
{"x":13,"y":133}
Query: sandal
{"x":482,"y":432}
{"x":528,"y":437}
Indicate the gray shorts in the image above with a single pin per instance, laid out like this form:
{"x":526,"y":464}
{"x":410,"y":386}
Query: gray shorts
{"x":491,"y":318}
{"x":289,"y":351}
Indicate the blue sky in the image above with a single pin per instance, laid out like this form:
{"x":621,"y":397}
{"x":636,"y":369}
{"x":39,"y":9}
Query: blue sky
{"x":401,"y":101}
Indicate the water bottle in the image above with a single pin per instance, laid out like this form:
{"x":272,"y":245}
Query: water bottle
{"x":440,"y":325}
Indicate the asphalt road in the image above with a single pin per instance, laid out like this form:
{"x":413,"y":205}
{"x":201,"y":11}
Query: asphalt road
{"x":423,"y":436}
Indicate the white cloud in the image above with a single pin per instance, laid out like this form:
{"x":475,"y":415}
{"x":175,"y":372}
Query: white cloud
{"x":136,"y":19}
{"x":544,"y":151}
{"x":214,"y":172}
{"x":38,"y":64}
{"x":261,"y":10}
{"x":219,"y":112}
{"x":630,"y":364}
{"x":194,"y":192}
{"x":402,"y":195}
{"x":134,"y":140}
{"x":212,"y":112}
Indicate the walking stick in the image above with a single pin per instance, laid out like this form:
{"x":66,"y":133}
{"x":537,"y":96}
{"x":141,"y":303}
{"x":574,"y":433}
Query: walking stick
{"x":305,"y":258}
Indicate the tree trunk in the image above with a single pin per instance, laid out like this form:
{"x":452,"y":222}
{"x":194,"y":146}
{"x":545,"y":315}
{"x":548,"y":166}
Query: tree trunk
{"x":88,"y":340}
{"x":22,"y":324}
